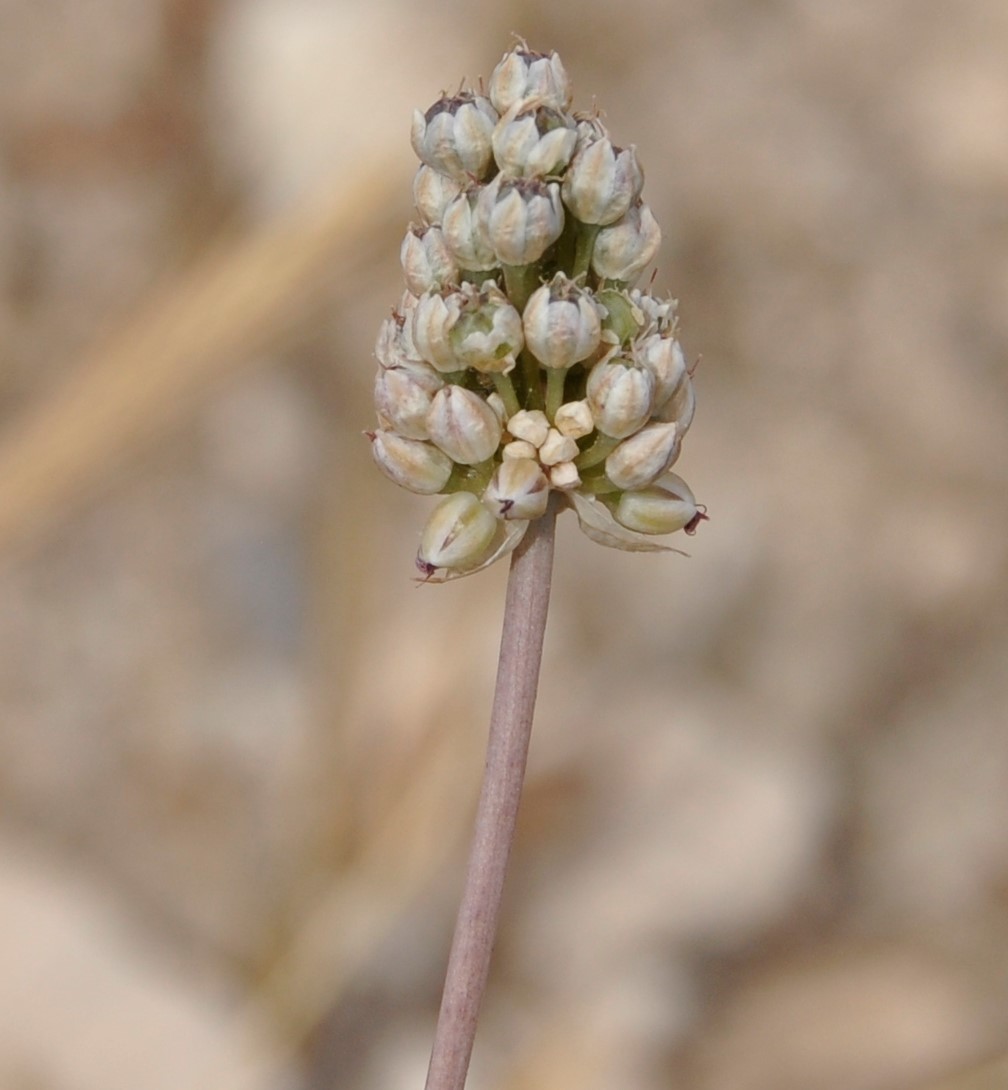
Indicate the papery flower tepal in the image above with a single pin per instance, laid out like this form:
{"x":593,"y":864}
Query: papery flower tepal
{"x":523,"y":363}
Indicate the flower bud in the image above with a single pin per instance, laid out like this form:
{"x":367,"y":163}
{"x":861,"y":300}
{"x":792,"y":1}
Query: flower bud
{"x":433,"y":319}
{"x":463,"y":425}
{"x":557,"y":448}
{"x":531,"y":425}
{"x":426,"y":260}
{"x":457,"y":534}
{"x":466,"y":235}
{"x":643,"y":457}
{"x":574,"y":419}
{"x":402,"y":397}
{"x":523,"y":74}
{"x":488,"y":333}
{"x":620,"y":395}
{"x":518,"y":489}
{"x":680,"y":406}
{"x":523,"y":217}
{"x":662,"y":508}
{"x":453,"y":136}
{"x":432,"y":193}
{"x":412,"y":464}
{"x":624,"y":249}
{"x":533,"y":140}
{"x":519,"y":448}
{"x":602,"y":182}
{"x":663,"y":357}
{"x":562,"y":324}
{"x":565,"y":476}
{"x":394,"y":345}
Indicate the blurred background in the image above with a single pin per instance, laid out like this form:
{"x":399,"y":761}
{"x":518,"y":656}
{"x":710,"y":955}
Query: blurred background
{"x":764,"y":844}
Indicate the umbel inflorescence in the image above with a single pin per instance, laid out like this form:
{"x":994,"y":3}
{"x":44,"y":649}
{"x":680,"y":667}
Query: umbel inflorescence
{"x":521,"y":360}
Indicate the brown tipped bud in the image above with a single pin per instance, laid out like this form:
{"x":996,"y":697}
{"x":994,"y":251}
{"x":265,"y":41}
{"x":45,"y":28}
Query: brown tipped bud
{"x":562,"y":324}
{"x":523,"y":217}
{"x":624,"y":249}
{"x":458,"y":533}
{"x":602,"y":182}
{"x":412,"y":464}
{"x":533,"y":140}
{"x":463,"y":425}
{"x":643,"y":457}
{"x":453,"y":136}
{"x":518,"y":490}
{"x":662,"y":508}
{"x":523,"y":74}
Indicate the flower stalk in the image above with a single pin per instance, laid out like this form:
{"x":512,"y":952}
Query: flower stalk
{"x":525,"y":610}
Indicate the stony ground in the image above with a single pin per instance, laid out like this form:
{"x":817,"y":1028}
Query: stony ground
{"x":764,"y":842}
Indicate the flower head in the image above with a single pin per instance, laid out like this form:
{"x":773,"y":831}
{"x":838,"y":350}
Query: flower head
{"x":522,"y":364}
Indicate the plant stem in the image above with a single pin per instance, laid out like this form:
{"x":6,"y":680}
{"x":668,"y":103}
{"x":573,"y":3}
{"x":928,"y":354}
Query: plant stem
{"x":525,"y":610}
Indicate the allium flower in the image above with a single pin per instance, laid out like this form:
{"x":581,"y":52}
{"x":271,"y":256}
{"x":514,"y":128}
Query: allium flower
{"x":602,"y":182}
{"x":523,"y":218}
{"x":522,"y":74}
{"x":522,"y":365}
{"x":453,"y":136}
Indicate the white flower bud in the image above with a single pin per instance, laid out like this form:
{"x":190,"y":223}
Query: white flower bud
{"x":523,"y":217}
{"x":412,"y":464}
{"x":533,"y":140}
{"x":680,"y":407}
{"x":574,"y":419}
{"x":565,"y":476}
{"x":643,"y":457}
{"x":518,"y":489}
{"x":523,"y":74}
{"x":463,"y":425}
{"x":457,"y":534}
{"x":519,"y":448}
{"x":662,"y":508}
{"x":402,"y":397}
{"x":488,"y":334}
{"x":432,"y":193}
{"x":624,"y":249}
{"x":529,"y":424}
{"x":620,"y":396}
{"x":602,"y":182}
{"x":557,"y":448}
{"x":433,"y":320}
{"x":663,"y":357}
{"x":453,"y":136}
{"x":465,"y":233}
{"x":562,"y":324}
{"x":427,"y":262}
{"x":394,"y":345}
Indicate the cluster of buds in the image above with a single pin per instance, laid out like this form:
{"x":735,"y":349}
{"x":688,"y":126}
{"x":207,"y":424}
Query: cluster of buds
{"x":522,"y":363}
